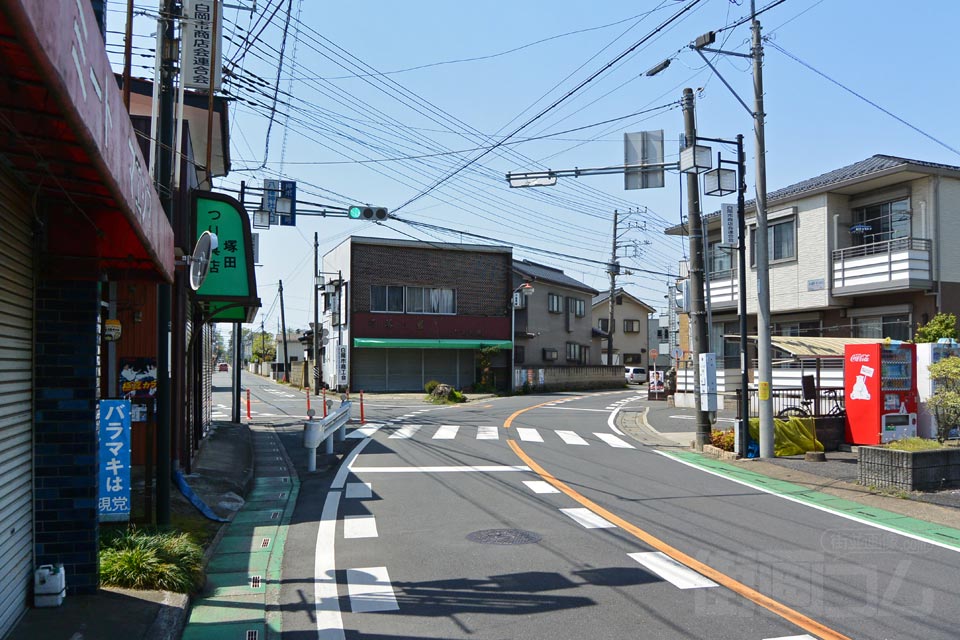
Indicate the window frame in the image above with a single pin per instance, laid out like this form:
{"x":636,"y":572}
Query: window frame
{"x":554,"y":303}
{"x":386,"y":298}
{"x":771,"y":243}
{"x":632,"y":322}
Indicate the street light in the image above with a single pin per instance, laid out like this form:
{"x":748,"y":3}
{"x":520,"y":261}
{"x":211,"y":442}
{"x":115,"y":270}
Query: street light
{"x":516,"y":296}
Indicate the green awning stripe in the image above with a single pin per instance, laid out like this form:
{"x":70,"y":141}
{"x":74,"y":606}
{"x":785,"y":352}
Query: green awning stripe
{"x":435,"y":343}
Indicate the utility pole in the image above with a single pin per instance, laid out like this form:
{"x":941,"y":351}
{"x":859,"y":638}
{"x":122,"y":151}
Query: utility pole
{"x":698,"y":325}
{"x":164,"y":183}
{"x":763,"y":249}
{"x":317,"y":331}
{"x":612,"y":269}
{"x":283,"y":329}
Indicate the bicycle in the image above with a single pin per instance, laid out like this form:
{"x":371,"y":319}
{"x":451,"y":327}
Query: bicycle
{"x":806,"y":411}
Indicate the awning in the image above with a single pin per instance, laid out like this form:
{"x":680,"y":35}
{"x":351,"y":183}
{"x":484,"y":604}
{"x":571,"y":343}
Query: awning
{"x":813,"y":347}
{"x":427,"y":343}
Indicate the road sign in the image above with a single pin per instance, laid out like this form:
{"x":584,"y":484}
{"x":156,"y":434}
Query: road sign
{"x":654,"y":353}
{"x":677,"y":354}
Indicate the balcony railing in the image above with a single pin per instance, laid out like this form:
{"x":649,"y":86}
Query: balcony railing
{"x":723,"y":287}
{"x":902,"y":263}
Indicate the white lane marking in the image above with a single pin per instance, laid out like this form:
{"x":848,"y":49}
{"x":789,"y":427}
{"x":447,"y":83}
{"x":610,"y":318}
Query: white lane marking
{"x":488,"y":433}
{"x":612,"y":422}
{"x":588,"y":519}
{"x":326,"y":600}
{"x":574,"y":409}
{"x":672,"y":571}
{"x":370,"y":590}
{"x":450,"y":469}
{"x":840,"y":514}
{"x":684,"y":417}
{"x":803,"y":637}
{"x":446,"y":432}
{"x":359,"y":527}
{"x":407,"y":431}
{"x":539,"y":486}
{"x":364,"y":432}
{"x":529,"y":435}
{"x":614,"y":441}
{"x":572,"y":437}
{"x":359,"y":490}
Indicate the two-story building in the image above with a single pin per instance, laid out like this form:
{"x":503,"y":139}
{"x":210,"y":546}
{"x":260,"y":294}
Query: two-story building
{"x":860,"y":251}
{"x":400,"y":313}
{"x":631,"y":340}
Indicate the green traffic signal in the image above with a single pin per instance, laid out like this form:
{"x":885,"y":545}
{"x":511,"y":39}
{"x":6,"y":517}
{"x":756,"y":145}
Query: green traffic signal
{"x":355,"y":213}
{"x":375,"y":214}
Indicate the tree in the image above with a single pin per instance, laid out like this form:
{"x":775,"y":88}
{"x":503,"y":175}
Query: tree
{"x":264,"y":347}
{"x":945,"y":402}
{"x":942,"y":325}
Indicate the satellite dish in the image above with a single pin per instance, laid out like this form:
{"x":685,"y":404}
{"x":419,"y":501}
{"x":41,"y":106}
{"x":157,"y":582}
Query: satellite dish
{"x":207,"y":243}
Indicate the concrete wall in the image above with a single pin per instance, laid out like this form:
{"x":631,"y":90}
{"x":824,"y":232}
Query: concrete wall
{"x":579,"y":377}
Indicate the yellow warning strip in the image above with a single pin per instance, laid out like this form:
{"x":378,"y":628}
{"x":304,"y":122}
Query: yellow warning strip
{"x":807,"y":624}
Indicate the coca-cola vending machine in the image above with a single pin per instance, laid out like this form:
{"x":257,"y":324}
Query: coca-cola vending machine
{"x":880,"y":385}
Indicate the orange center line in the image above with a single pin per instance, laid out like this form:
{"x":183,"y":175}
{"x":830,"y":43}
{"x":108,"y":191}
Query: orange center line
{"x":791,"y":615}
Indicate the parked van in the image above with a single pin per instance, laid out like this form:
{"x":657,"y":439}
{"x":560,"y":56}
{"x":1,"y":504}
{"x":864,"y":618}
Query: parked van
{"x":635,"y":375}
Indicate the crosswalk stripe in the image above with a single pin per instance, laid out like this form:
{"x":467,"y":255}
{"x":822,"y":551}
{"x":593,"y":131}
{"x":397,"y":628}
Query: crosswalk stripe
{"x":539,"y":486}
{"x":359,"y":490}
{"x":488,"y":433}
{"x":370,"y":590}
{"x":529,"y":435}
{"x":588,"y":519}
{"x":364,"y":432}
{"x":614,"y":441}
{"x":571,"y":437}
{"x":446,"y":432}
{"x":672,"y":571}
{"x":406,"y":431}
{"x":803,"y":637}
{"x":359,"y":527}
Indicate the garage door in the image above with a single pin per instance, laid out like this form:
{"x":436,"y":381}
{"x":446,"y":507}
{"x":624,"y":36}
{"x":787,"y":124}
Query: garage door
{"x":16,"y":392}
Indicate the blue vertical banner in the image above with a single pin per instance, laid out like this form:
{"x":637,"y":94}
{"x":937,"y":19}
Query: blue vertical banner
{"x":113,"y":503}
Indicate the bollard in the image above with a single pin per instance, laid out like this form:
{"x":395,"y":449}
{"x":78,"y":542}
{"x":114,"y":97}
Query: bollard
{"x":308,"y":402}
{"x":324,"y":402}
{"x":249,"y":417}
{"x":362,"y":419}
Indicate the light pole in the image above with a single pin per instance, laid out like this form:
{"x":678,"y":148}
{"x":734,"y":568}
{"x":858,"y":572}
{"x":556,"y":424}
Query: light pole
{"x":526,"y":289}
{"x":721,"y":182}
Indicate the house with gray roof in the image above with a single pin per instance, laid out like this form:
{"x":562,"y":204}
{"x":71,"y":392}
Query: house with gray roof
{"x":860,"y":251}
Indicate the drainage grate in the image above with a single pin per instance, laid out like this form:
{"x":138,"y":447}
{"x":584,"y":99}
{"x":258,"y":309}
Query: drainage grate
{"x":252,"y":634}
{"x":265,"y":543}
{"x":504,"y":536}
{"x":282,"y":495}
{"x":283,"y":480}
{"x":255,"y":582}
{"x":274,"y":515}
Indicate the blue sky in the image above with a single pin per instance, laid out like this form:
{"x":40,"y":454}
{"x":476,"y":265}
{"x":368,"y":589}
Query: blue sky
{"x":326,"y":119}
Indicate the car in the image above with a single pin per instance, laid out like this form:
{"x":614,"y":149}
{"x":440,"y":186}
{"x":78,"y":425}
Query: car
{"x":637,"y":375}
{"x":223,"y":367}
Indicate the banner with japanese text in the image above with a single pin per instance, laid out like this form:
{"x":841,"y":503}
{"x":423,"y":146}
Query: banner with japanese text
{"x":113,"y":495}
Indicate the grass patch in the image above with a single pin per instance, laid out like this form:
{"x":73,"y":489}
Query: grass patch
{"x":914,"y":444}
{"x":140,"y":559}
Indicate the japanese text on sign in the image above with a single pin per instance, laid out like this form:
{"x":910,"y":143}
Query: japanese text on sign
{"x":113,"y":495}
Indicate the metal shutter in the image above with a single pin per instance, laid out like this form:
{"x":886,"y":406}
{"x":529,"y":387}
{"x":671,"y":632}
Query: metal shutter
{"x":16,"y":402}
{"x":369,"y":370}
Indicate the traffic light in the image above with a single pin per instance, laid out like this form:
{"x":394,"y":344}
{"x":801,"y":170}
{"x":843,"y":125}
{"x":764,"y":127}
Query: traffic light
{"x":357,"y":212}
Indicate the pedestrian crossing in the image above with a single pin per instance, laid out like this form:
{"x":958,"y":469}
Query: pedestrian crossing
{"x":484,"y":432}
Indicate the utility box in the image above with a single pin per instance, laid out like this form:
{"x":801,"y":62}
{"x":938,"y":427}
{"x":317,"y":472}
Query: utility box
{"x":49,"y":585}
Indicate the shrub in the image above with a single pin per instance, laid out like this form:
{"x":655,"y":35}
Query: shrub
{"x":913,"y":444}
{"x":430,"y":386}
{"x":722,"y":439}
{"x":946,"y":401}
{"x":151,"y":560}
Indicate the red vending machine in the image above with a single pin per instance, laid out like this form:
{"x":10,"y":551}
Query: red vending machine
{"x":880,"y":384}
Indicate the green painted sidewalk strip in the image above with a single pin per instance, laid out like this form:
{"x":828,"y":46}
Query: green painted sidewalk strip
{"x":228,"y":610}
{"x":238,"y":583}
{"x":218,"y":631}
{"x":905,"y":524}
{"x":243,"y":561}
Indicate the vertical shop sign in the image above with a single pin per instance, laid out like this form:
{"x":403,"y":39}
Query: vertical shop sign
{"x":113,"y":503}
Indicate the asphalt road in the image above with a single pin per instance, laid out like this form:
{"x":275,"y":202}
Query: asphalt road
{"x":533,"y":517}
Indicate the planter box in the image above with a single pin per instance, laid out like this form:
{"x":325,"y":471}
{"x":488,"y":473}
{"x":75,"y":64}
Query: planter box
{"x":908,"y":470}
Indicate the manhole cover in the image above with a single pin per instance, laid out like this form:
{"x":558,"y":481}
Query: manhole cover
{"x":504,"y":536}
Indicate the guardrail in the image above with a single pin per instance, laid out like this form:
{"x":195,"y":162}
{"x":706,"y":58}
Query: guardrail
{"x":317,"y":431}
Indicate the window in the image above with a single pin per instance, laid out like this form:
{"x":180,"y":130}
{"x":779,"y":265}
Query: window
{"x":781,"y":241}
{"x":577,"y":353}
{"x":550,"y":355}
{"x":881,"y":222}
{"x":431,"y":300}
{"x":895,"y":327}
{"x":632,"y":358}
{"x":631,"y":326}
{"x":386,"y":298}
{"x":663,"y":333}
{"x":579,"y":307}
{"x":719,"y":260}
{"x":603,"y":324}
{"x":518,"y":355}
{"x":554,"y":303}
